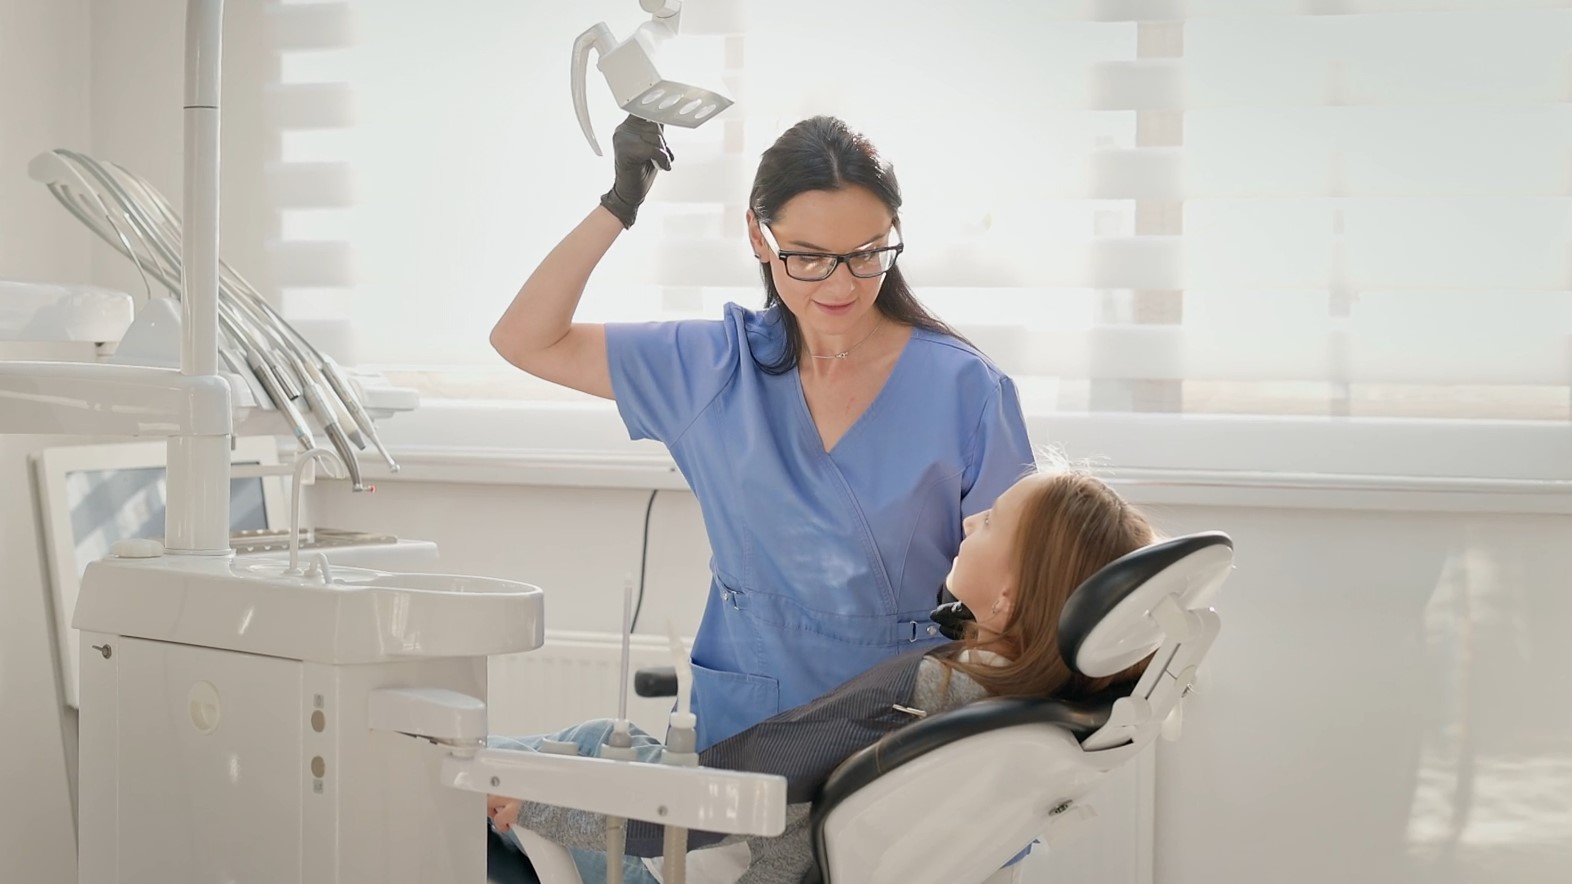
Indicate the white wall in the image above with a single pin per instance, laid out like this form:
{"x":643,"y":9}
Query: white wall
{"x":44,"y":85}
{"x":1386,"y":703}
{"x":105,"y":77}
{"x":43,"y":103}
{"x":577,"y":544}
{"x":137,"y":91}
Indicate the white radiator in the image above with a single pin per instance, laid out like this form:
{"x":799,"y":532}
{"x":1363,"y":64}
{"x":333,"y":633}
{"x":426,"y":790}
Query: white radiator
{"x":573,"y":677}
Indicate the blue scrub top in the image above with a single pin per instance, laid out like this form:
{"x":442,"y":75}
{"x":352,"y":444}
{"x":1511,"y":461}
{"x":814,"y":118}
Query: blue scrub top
{"x":823,"y":563}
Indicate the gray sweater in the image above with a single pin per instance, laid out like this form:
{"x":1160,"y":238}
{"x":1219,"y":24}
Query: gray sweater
{"x":784,"y":858}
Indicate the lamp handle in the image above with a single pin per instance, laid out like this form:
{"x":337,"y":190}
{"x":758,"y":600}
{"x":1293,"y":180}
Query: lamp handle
{"x":599,"y":38}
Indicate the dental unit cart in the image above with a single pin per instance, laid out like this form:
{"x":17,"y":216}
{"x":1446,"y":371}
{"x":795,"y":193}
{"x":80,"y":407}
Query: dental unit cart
{"x":251,"y":719}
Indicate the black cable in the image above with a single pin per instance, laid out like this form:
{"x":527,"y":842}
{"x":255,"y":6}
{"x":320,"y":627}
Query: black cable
{"x":644,"y":557}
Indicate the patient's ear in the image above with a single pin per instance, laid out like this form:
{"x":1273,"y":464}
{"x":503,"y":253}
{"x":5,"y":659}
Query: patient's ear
{"x":1003,"y":605}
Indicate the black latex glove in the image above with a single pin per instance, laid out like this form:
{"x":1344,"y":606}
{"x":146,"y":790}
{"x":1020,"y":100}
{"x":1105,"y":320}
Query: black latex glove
{"x":639,"y":149}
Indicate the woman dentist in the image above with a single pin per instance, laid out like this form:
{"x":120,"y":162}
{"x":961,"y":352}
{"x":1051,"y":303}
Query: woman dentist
{"x":835,"y":439}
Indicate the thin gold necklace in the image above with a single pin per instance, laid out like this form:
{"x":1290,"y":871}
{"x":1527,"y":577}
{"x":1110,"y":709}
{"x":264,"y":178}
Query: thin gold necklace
{"x":853,"y":348}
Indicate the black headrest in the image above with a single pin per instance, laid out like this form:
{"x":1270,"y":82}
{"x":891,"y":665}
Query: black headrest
{"x":1103,"y":628}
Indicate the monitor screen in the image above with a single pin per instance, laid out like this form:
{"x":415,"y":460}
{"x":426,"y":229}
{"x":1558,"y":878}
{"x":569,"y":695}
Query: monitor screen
{"x":115,"y":504}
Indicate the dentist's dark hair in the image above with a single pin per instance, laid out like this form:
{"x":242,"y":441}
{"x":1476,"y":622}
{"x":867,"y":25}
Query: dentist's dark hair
{"x":823,"y":153}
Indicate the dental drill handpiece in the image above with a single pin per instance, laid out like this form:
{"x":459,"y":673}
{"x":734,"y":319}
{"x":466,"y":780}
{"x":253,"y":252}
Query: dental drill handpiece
{"x":357,"y":412}
{"x":300,"y":373}
{"x":341,"y":385}
{"x":162,"y":241}
{"x":281,"y":400}
{"x":245,"y":334}
{"x":346,"y":418}
{"x":328,"y":418}
{"x":245,"y":300}
{"x":336,"y":379}
{"x":292,"y":373}
{"x":273,"y":382}
{"x":263,"y":371}
{"x":267,"y":347}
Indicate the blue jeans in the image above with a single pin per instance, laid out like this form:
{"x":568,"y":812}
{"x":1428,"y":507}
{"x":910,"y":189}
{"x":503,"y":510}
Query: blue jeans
{"x":590,"y":737}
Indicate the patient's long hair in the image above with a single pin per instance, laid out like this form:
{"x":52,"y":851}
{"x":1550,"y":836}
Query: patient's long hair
{"x":1071,"y":525}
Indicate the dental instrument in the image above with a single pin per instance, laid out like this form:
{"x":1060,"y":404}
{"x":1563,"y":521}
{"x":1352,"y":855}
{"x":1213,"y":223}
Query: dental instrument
{"x":322,"y":367}
{"x":636,"y":84}
{"x":291,"y":372}
{"x":239,"y":349}
{"x":159,"y":257}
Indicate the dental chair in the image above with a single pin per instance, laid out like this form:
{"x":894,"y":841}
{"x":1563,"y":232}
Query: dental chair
{"x":952,"y":798}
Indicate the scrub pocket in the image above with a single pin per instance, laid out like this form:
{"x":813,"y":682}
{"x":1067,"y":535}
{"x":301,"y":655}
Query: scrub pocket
{"x":731,"y":702}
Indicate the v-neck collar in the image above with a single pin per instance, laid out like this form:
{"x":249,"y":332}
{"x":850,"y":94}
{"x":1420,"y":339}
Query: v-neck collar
{"x":806,"y":414}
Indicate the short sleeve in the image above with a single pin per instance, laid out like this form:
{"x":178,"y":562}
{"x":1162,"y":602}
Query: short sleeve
{"x":663,"y":374}
{"x":1001,"y":452}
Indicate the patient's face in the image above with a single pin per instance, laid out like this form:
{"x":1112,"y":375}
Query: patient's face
{"x":985,"y":566}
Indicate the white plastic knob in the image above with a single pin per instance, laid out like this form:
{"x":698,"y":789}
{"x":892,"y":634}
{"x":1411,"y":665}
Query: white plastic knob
{"x":661,"y":8}
{"x":136,"y":548}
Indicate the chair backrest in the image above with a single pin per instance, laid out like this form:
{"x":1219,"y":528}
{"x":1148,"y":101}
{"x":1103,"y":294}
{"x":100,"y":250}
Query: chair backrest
{"x":953,"y":797}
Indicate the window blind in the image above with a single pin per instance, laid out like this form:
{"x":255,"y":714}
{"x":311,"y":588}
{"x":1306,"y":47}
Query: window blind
{"x":1308,"y":207}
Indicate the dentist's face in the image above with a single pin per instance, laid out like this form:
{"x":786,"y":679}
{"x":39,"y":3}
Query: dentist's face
{"x":983,"y":575}
{"x":828,"y":222}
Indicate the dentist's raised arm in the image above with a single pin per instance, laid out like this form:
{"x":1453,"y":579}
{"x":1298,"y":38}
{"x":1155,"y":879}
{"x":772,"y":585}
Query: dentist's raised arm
{"x":537,"y":332}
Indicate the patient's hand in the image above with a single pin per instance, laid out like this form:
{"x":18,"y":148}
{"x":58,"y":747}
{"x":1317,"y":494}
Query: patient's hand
{"x":504,"y":812}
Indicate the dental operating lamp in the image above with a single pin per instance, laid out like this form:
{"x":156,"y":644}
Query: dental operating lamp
{"x":636,"y":83}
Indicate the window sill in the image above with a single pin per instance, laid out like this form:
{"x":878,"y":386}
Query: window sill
{"x":1455,"y":466}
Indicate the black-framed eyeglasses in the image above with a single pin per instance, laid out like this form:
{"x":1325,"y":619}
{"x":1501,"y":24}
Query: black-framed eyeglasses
{"x":815,"y":266}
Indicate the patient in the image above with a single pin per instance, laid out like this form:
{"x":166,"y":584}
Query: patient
{"x":1015,"y":570}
